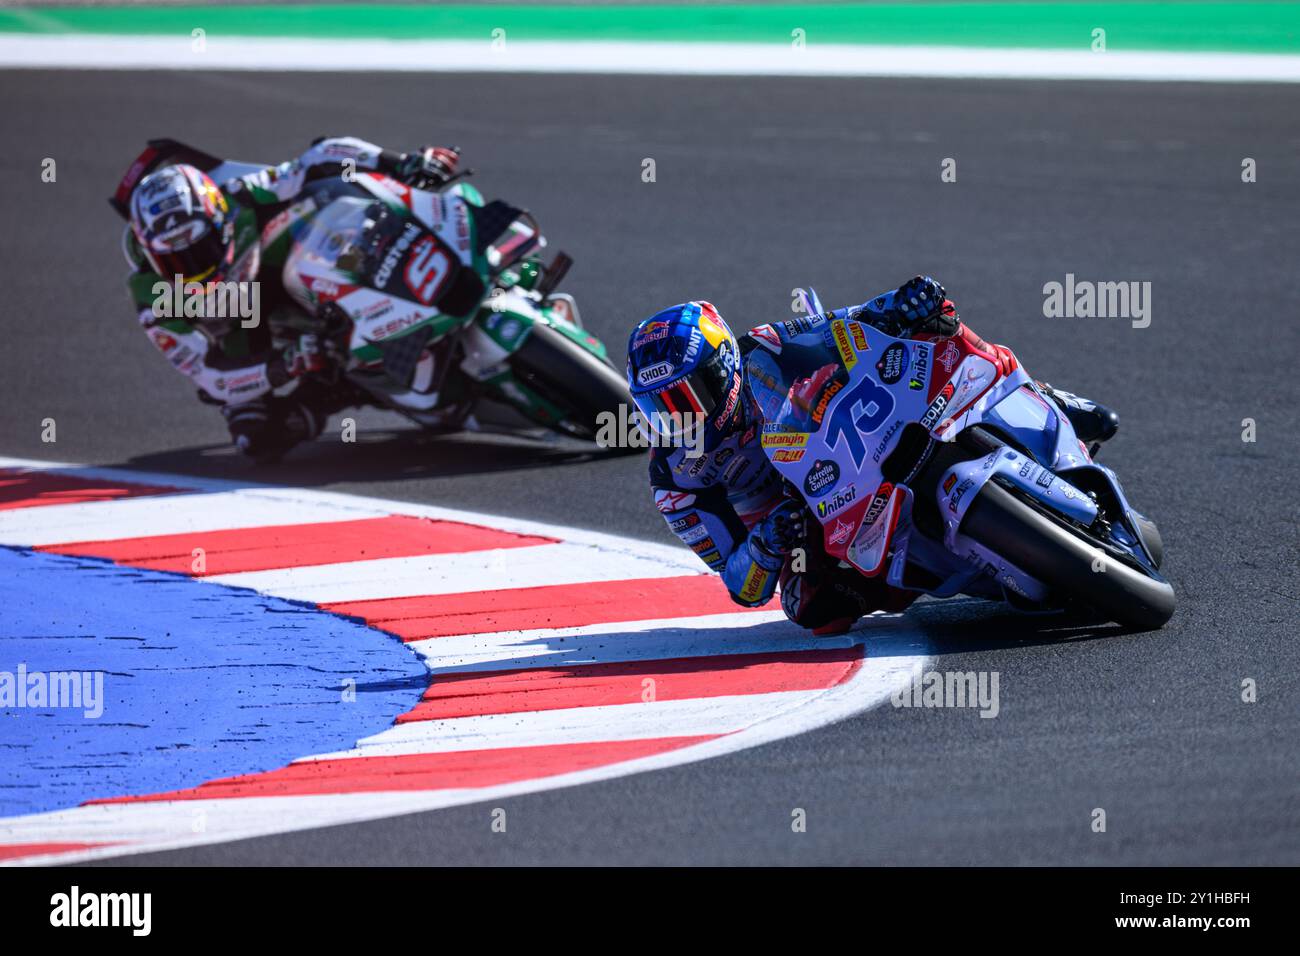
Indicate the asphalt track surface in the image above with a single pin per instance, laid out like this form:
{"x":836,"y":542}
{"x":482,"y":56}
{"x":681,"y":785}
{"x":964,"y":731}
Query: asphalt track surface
{"x":762,"y":185}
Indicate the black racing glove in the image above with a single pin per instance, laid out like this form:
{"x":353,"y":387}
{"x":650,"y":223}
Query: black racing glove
{"x":429,"y":167}
{"x":919,"y":305}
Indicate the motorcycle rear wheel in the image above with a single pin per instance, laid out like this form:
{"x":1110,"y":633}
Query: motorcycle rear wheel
{"x":1064,"y":561}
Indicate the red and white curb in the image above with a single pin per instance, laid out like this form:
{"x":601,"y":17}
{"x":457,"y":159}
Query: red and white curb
{"x":557,"y":656}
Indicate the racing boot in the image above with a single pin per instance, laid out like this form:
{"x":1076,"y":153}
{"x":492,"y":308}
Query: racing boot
{"x":1093,"y":423}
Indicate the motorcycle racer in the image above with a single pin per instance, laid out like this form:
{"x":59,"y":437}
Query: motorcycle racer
{"x":712,"y":480}
{"x":186,"y":229}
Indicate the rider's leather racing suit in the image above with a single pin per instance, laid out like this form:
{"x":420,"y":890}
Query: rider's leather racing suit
{"x":238,"y":367}
{"x":713,"y":500}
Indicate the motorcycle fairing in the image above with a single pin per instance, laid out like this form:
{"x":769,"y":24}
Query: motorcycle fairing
{"x":836,"y":397}
{"x":821,"y":415}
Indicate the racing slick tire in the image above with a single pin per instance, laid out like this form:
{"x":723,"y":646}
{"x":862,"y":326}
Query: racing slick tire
{"x":1064,"y":561}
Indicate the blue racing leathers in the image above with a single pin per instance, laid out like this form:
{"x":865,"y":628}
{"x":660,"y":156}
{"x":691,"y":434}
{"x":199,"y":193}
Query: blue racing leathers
{"x":718,"y":502}
{"x":713,"y":500}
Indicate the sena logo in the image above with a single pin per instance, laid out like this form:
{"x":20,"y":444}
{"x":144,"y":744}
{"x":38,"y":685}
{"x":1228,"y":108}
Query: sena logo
{"x":654,"y":373}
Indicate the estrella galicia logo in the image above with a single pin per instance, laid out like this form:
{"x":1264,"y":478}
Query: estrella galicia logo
{"x":892,"y":363}
{"x":821,"y":478}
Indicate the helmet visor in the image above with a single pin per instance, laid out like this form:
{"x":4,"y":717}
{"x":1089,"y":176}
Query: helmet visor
{"x":687,"y":403}
{"x":194,"y":259}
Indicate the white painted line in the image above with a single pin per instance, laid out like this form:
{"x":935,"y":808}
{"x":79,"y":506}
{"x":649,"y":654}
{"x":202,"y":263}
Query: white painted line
{"x":613,"y":544}
{"x":752,"y":632}
{"x":79,"y":51}
{"x":494,"y":570}
{"x":692,"y":717}
{"x":181,"y":514}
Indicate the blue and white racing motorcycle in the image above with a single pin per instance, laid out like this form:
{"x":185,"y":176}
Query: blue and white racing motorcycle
{"x":939,"y":464}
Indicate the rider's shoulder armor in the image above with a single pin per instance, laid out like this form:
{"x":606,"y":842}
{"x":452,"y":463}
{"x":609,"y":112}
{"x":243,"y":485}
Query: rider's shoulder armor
{"x":737,"y":469}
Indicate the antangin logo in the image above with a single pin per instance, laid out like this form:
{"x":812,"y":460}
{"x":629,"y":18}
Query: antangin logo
{"x":847,"y":355}
{"x":784,"y":439}
{"x":755,"y":581}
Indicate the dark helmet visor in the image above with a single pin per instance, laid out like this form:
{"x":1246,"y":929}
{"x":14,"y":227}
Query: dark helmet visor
{"x":687,"y":402}
{"x":202,"y":260}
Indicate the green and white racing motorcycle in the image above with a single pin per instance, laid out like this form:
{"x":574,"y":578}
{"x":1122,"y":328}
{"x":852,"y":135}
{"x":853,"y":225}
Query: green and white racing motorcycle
{"x":430,"y":300}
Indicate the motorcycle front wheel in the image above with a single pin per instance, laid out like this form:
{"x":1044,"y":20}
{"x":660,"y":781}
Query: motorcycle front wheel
{"x":571,"y":378}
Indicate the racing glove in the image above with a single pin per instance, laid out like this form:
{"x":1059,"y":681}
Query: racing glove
{"x":922,"y":305}
{"x":919,"y":305}
{"x":298,"y":359}
{"x":918,"y":299}
{"x":304,"y":356}
{"x":777,"y":535}
{"x":430,"y":166}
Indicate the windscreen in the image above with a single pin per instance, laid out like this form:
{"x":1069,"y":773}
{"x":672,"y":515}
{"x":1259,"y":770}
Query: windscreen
{"x":794,"y":388}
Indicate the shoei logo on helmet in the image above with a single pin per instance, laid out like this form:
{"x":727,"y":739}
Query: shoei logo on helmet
{"x":654,"y":373}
